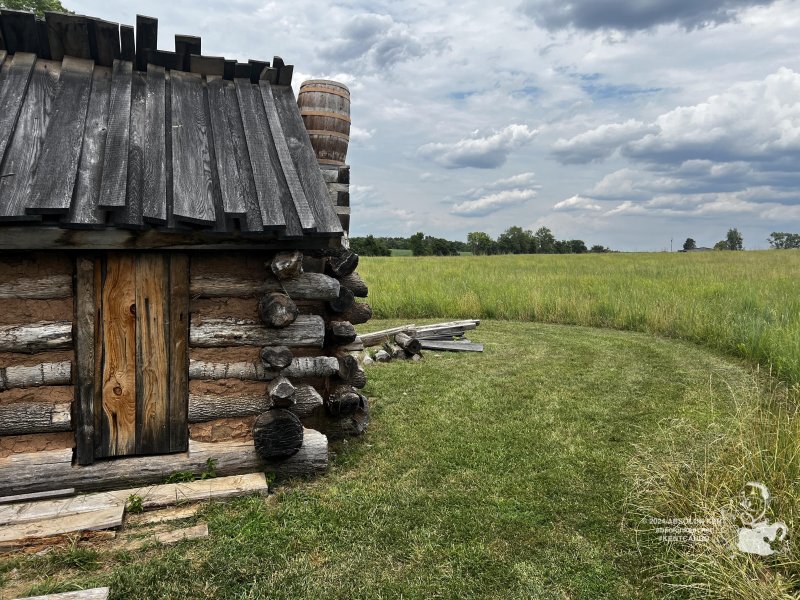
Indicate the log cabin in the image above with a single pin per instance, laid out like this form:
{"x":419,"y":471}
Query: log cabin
{"x":176,"y":292}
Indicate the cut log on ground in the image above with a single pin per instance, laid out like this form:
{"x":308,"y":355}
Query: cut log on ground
{"x":37,"y":337}
{"x":355,"y":284}
{"x":343,"y":263}
{"x":396,"y":352}
{"x":460,"y":346}
{"x":92,"y":594}
{"x":277,"y":310}
{"x":300,"y":368}
{"x":408,"y":343}
{"x":276,"y":357}
{"x":343,"y":400}
{"x":382,"y":356}
{"x":277,"y":434}
{"x":339,"y":333}
{"x":376,"y":338}
{"x":307,"y":330}
{"x":287,"y":265}
{"x":308,"y":286}
{"x":280,"y":392}
{"x":42,"y":287}
{"x":345,"y":300}
{"x":53,"y":373}
{"x":17,"y":418}
{"x":38,"y":471}
{"x":359,"y":312}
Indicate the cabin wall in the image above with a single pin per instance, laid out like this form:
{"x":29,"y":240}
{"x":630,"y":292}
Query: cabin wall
{"x":36,"y":352}
{"x":229,"y":392}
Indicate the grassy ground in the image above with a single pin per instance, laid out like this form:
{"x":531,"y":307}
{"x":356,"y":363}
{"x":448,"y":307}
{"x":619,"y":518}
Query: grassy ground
{"x":499,"y":475}
{"x":743,"y":303}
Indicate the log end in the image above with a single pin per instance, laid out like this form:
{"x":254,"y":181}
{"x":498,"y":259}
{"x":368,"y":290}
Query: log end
{"x":277,"y":434}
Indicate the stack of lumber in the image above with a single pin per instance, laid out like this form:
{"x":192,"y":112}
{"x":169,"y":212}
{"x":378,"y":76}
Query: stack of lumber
{"x":41,"y":517}
{"x":408,"y":341}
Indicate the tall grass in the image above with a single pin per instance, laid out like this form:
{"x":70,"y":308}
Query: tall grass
{"x":742,"y":303}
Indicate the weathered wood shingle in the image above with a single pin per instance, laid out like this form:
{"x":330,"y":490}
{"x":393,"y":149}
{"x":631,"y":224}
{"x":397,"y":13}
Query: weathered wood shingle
{"x":99,"y":131}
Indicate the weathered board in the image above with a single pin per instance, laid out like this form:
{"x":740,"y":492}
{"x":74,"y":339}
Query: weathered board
{"x":154,"y":207}
{"x":115,"y":158}
{"x":143,"y":356}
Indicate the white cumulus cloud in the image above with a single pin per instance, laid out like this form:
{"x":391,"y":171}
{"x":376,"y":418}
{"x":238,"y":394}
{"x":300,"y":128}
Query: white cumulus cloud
{"x":487,"y":151}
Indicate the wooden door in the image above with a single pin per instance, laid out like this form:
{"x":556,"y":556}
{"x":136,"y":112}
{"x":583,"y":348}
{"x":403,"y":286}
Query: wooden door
{"x":140,"y":371}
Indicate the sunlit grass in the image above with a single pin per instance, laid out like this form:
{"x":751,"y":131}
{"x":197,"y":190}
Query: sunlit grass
{"x":743,"y":303}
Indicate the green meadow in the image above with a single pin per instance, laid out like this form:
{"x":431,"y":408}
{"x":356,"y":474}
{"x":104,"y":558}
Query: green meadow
{"x":745,"y":304}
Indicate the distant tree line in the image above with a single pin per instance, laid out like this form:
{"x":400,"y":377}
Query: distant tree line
{"x":733,"y":241}
{"x":784,"y":241}
{"x":513,"y":240}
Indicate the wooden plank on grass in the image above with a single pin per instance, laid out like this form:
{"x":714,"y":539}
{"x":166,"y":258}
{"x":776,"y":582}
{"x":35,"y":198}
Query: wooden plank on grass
{"x":465,"y":346}
{"x":27,"y":512}
{"x":197,"y":532}
{"x":54,"y":183}
{"x":93,"y":594}
{"x":16,"y":536}
{"x":215,"y":488}
{"x":47,"y":495}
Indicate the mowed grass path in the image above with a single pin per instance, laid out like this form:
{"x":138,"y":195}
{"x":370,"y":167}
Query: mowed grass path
{"x":494,"y":475}
{"x":743,"y":303}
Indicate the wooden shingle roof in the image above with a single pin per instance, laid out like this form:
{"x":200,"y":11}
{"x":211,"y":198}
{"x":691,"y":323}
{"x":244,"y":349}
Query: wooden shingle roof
{"x":102,"y":132}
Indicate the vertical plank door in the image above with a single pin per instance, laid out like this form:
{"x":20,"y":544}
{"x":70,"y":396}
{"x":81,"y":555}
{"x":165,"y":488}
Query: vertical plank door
{"x":140,"y":366}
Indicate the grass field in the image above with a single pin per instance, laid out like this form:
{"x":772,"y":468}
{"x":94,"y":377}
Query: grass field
{"x":500,"y":475}
{"x":743,"y":303}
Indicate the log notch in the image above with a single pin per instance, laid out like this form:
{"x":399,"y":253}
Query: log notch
{"x":276,"y":357}
{"x":345,"y":300}
{"x":358,"y":313}
{"x":342,"y":263}
{"x":40,"y":471}
{"x":306,"y":401}
{"x":343,"y":400}
{"x":281,"y":392}
{"x":277,"y":434}
{"x":355,"y":284}
{"x":338,"y":333}
{"x":287,"y":265}
{"x":277,"y":310}
{"x":406,"y":342}
{"x":350,"y":371}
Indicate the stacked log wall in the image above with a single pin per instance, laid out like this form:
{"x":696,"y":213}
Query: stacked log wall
{"x":337,"y":178}
{"x":36,"y":353}
{"x":230,"y":377}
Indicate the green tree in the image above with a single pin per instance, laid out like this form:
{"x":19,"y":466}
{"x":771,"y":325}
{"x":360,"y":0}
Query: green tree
{"x":516,"y":240}
{"x":577,"y":246}
{"x":734,"y":240}
{"x":480,"y":242}
{"x":784,"y":241}
{"x":369,"y":246}
{"x":545,"y":241}
{"x":689,"y":244}
{"x":37,"y":6}
{"x":417,"y":244}
{"x":598,"y":249}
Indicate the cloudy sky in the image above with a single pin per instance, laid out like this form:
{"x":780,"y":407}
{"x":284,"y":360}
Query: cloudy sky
{"x":621,"y":122}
